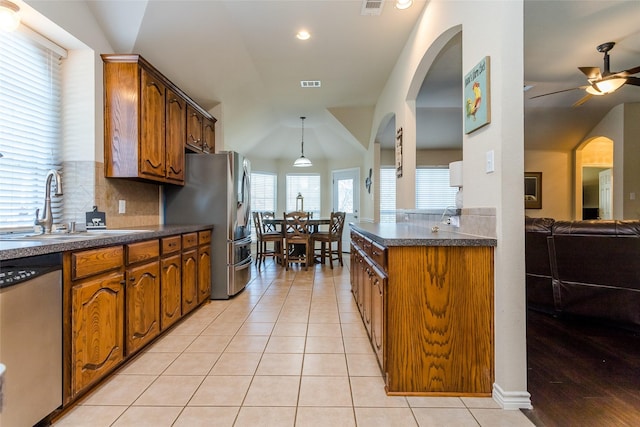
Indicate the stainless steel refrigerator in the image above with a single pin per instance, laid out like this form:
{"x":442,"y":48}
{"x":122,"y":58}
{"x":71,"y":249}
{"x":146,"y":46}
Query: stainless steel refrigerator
{"x":217,"y":191}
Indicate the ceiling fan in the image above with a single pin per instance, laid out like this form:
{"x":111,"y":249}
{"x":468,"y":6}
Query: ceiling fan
{"x":602,"y":83}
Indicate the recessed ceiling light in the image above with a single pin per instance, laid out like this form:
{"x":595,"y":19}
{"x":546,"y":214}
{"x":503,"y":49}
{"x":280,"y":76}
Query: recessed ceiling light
{"x":403,"y":4}
{"x":303,"y":35}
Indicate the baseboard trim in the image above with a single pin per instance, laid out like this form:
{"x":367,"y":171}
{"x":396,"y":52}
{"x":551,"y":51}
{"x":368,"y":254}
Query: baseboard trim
{"x":511,"y":400}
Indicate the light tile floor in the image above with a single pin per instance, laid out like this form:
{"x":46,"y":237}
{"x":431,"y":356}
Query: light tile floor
{"x":290,"y":350}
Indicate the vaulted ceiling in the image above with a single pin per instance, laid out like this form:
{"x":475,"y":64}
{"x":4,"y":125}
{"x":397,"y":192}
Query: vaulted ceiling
{"x":242,"y":55}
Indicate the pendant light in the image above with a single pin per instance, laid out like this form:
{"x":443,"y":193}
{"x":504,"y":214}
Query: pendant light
{"x":9,"y":15}
{"x":302,"y":161}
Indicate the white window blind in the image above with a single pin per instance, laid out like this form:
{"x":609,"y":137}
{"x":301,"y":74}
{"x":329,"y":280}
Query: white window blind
{"x":432,"y":188}
{"x":387,"y":195}
{"x":263,"y":191}
{"x":309,"y":187}
{"x":30,"y":127}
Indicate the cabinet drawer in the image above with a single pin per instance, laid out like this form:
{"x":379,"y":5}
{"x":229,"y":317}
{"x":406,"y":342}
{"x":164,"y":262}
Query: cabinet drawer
{"x":204,"y":237}
{"x":142,"y":251}
{"x":95,"y":261}
{"x":378,"y":255}
{"x":189,"y":240}
{"x":171,"y":244}
{"x":357,"y":239}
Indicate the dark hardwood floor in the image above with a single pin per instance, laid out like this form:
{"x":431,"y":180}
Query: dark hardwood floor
{"x":582,"y":373}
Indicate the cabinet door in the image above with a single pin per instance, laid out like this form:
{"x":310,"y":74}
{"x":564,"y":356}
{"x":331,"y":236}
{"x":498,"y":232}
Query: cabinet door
{"x":152,"y":126}
{"x":143,"y":305}
{"x":97,"y":329}
{"x":189,"y":280}
{"x":366,"y":298}
{"x":378,"y":286}
{"x":204,"y":273}
{"x":208,"y":136}
{"x":170,"y":291}
{"x":361,"y":277}
{"x":194,"y":128}
{"x":176,"y":130}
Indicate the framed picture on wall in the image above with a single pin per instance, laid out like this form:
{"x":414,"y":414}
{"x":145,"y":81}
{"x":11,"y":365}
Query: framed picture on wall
{"x":399,"y":153}
{"x":533,"y":190}
{"x":477,"y":107}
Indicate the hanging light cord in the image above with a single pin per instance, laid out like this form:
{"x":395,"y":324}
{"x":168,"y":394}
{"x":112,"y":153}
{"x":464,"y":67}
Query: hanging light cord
{"x":302,"y":135}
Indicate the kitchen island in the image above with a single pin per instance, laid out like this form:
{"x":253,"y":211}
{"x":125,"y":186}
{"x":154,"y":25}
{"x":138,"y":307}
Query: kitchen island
{"x":426,"y":299}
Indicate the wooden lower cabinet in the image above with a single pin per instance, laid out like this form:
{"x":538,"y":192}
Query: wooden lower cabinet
{"x":143,"y":305}
{"x":204,"y":273}
{"x":97,"y":329}
{"x":189,"y":280}
{"x":117,"y":299}
{"x":170,"y":290}
{"x":428,"y":311}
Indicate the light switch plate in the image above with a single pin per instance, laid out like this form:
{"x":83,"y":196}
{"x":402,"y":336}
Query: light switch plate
{"x":490,"y":165}
{"x":122,"y":206}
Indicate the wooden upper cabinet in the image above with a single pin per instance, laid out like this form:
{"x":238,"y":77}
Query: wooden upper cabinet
{"x":152,"y":126}
{"x":176,"y":128}
{"x":147,"y":124}
{"x":194,"y":128}
{"x":208,"y":136}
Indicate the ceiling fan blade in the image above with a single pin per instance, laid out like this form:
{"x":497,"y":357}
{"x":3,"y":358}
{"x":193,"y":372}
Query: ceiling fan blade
{"x":629,"y":72}
{"x":634,"y":81}
{"x":591,"y":72}
{"x":582,"y":100}
{"x":558,"y":91}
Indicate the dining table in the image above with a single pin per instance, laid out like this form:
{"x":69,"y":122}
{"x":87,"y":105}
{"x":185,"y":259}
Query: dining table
{"x":314,"y":224}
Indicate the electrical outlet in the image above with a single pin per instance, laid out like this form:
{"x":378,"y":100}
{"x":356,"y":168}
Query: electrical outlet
{"x":122,"y":206}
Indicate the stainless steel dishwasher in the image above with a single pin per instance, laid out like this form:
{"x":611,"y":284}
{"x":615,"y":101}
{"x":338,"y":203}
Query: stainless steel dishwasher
{"x":30,"y":338}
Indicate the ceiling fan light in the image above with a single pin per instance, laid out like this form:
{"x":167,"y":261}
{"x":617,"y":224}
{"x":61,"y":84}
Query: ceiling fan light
{"x":606,"y":86}
{"x":9,"y":15}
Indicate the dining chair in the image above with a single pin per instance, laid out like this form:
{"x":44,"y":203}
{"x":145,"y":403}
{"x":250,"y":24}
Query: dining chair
{"x":263,"y":240}
{"x":328,"y":238}
{"x":297,"y":239}
{"x":268,"y":227}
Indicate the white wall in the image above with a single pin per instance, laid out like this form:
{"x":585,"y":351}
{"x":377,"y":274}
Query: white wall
{"x":494,"y":29}
{"x":557,"y":194}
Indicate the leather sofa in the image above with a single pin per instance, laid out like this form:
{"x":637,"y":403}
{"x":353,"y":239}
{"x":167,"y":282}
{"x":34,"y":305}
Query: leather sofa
{"x":588,"y":268}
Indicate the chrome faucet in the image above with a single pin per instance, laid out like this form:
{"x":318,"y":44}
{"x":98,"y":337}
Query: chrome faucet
{"x":47,"y":220}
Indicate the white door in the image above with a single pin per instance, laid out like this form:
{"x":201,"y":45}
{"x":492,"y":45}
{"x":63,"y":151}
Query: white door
{"x":346,"y":198}
{"x":606,"y":194}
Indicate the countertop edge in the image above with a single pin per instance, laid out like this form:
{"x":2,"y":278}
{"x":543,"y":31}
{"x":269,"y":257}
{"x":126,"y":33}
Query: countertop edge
{"x":22,"y":249}
{"x":406,"y":234}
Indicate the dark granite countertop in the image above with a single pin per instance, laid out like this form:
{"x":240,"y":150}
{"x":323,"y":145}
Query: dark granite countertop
{"x":11,"y":249}
{"x":407,"y":234}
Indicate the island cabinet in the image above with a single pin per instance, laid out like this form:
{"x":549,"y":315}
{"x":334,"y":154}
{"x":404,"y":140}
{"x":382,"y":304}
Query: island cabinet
{"x":148,"y":122}
{"x":142,"y":294}
{"x":429,"y":314}
{"x":95,"y":298}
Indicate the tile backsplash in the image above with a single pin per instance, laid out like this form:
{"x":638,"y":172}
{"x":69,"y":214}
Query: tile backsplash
{"x":85,"y":186}
{"x":474,"y":221}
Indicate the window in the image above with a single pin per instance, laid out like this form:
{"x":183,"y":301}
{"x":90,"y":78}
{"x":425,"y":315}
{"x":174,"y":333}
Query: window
{"x":30,"y":125}
{"x":388,"y":194}
{"x":263,"y":191}
{"x":432,"y":188}
{"x":309,"y":187}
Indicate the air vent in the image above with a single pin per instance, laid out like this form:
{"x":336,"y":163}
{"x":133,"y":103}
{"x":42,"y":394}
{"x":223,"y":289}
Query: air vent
{"x":371,"y":7}
{"x":310,"y":83}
